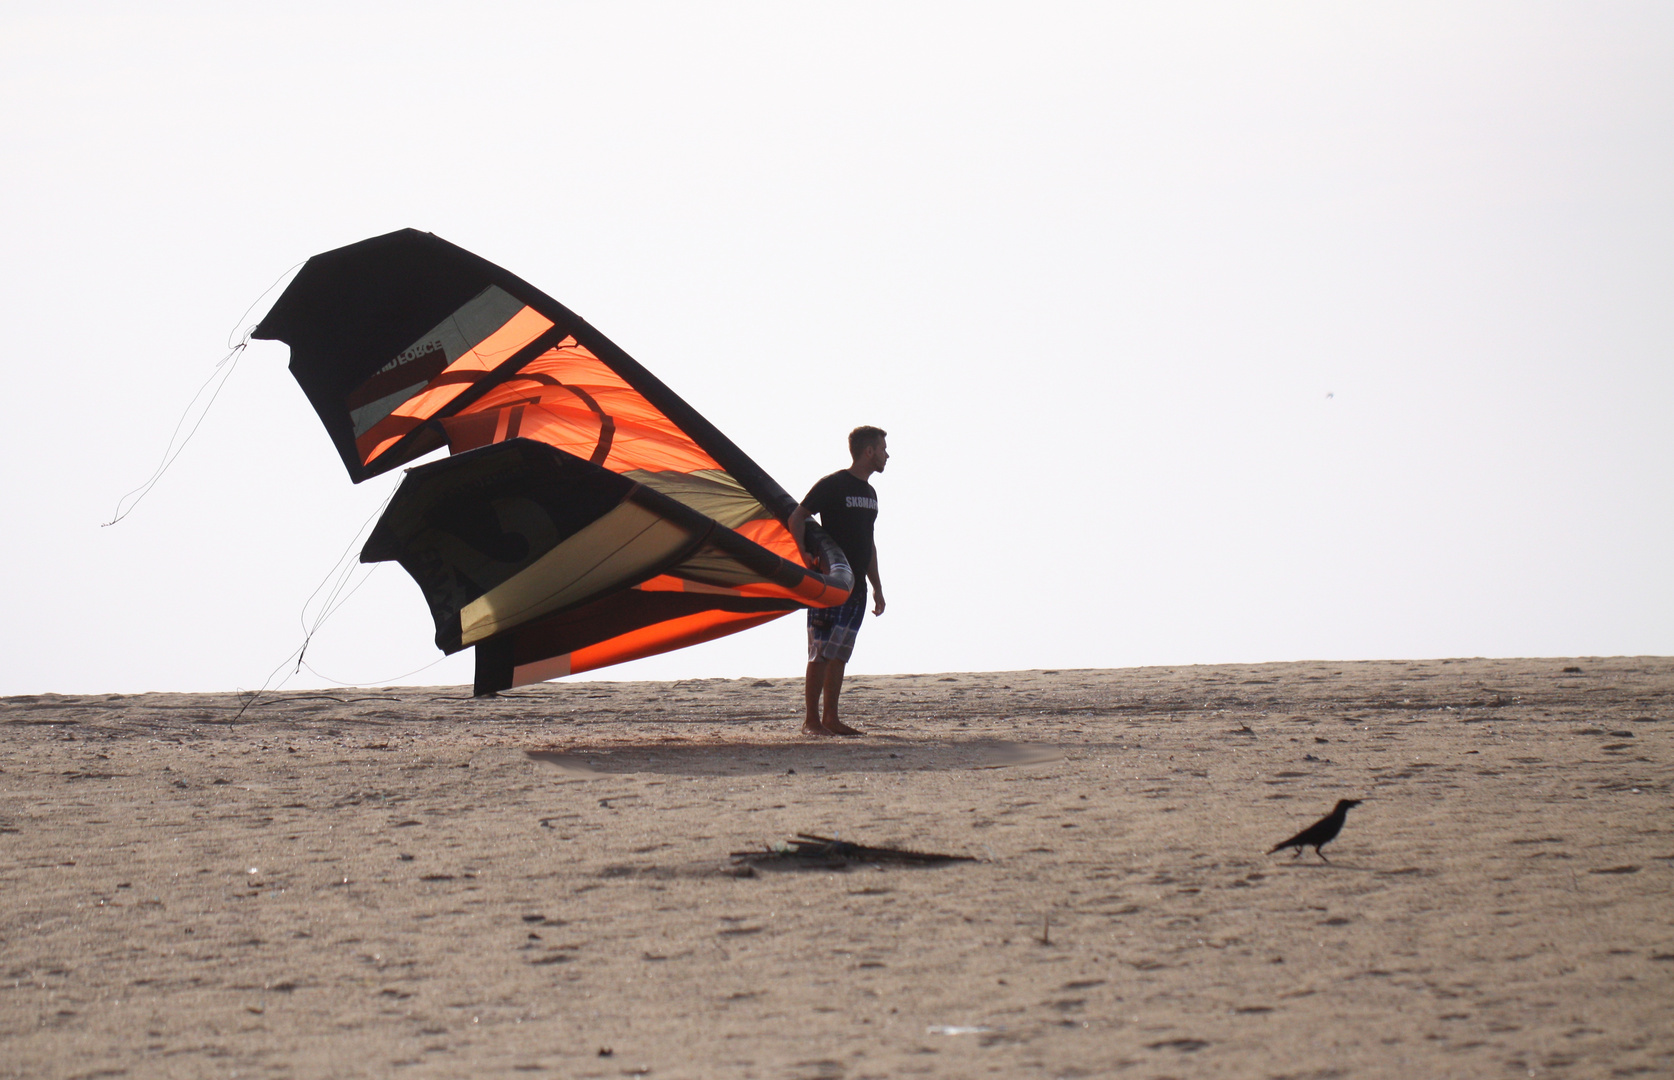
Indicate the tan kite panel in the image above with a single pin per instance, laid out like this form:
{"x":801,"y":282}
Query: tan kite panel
{"x":623,"y":545}
{"x":710,"y":492}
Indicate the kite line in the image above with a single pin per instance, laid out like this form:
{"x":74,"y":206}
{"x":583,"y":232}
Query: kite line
{"x":340,"y":575}
{"x":236,"y":344}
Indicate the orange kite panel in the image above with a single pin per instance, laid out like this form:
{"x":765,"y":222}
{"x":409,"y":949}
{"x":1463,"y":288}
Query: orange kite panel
{"x":771,"y":534}
{"x":572,"y":401}
{"x":663,"y":636}
{"x":518,"y":331}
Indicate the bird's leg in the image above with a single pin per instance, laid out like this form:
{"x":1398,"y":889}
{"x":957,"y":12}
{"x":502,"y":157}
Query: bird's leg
{"x":1299,"y":850}
{"x":1318,"y":852}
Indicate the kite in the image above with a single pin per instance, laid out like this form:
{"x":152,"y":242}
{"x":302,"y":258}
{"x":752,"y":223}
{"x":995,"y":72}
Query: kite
{"x":585,"y":515}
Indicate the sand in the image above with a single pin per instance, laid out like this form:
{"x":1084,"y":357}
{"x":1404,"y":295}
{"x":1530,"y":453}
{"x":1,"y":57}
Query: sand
{"x":388,"y":883}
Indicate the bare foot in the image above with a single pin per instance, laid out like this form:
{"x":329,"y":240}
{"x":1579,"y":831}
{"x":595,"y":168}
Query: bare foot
{"x":809,"y":727}
{"x":837,"y":727}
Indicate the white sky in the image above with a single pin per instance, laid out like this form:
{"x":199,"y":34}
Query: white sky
{"x":1202,"y":332}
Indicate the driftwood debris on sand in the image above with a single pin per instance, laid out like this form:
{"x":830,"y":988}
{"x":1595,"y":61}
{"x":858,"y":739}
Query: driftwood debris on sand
{"x":810,"y":852}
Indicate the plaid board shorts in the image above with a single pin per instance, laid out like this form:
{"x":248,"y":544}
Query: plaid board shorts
{"x":832,"y":630}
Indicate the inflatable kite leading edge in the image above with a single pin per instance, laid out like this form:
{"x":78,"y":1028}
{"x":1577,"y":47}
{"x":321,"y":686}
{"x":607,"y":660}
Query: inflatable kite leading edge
{"x":585,"y":516}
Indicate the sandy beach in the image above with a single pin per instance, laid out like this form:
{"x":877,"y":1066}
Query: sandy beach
{"x":410,"y":882}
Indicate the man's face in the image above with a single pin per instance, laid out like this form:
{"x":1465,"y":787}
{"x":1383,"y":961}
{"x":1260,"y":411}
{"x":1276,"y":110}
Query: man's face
{"x":879,"y":454}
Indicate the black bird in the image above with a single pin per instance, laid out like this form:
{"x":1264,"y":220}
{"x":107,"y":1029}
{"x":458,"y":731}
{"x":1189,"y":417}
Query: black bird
{"x":1321,"y":832}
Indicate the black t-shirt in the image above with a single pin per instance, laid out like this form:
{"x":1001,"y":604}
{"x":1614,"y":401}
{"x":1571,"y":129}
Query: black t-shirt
{"x":847,"y":508}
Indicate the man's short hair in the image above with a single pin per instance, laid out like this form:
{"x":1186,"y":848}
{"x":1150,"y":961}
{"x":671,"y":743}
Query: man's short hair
{"x":864,"y":436}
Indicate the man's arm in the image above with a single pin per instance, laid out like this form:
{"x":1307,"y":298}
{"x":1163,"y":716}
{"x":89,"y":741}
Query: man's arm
{"x":877,"y":586}
{"x":799,"y":517}
{"x":807,"y":508}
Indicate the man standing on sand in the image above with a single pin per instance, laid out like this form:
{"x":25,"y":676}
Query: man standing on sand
{"x":848,"y":508}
